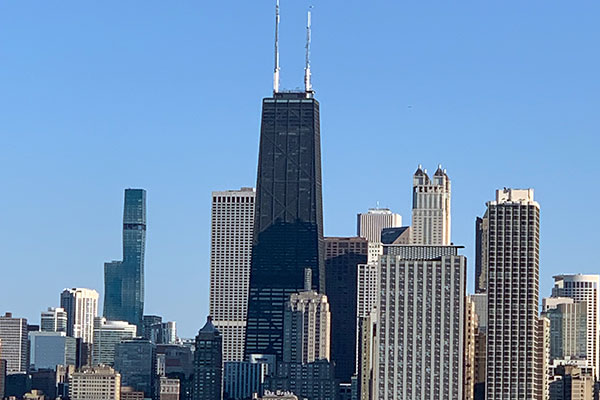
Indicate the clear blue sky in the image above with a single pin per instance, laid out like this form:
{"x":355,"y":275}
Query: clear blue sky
{"x":98,"y":96}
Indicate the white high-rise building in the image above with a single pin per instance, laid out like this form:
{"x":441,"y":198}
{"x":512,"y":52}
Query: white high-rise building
{"x":582,"y":288}
{"x":13,"y":338}
{"x":367,"y":289}
{"x":369,"y":226}
{"x":54,"y":320}
{"x":81,"y":306}
{"x":516,"y":335}
{"x":431,"y":208}
{"x":306,"y":328}
{"x":232,"y":225}
{"x":107,"y":334}
{"x":420,"y":334}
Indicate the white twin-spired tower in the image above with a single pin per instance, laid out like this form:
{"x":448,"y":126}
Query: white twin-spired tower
{"x":431,"y":208}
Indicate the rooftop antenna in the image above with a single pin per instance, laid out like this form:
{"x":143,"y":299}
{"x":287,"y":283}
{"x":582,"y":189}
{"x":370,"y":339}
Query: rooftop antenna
{"x":276,"y":71}
{"x":307,"y":83}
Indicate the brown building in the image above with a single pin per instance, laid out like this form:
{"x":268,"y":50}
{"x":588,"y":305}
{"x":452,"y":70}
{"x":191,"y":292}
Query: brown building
{"x":169,"y":389}
{"x":129,"y":393}
{"x":569,"y":384}
{"x":470,"y":331}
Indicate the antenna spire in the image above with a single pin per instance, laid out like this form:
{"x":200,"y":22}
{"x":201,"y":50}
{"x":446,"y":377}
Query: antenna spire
{"x":307,"y":82}
{"x":276,"y":71}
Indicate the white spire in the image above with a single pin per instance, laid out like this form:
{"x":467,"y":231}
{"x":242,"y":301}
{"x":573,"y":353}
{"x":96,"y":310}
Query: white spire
{"x":307,"y":82}
{"x":276,"y":71}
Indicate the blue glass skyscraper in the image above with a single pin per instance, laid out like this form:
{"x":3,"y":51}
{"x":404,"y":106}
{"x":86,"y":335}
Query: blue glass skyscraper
{"x":124,"y":280}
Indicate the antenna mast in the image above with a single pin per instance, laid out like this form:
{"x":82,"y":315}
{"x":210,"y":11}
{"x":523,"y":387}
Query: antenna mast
{"x":276,"y":71}
{"x":307,"y":82}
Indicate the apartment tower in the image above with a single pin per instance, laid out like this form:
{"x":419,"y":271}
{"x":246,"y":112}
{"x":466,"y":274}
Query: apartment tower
{"x":232,"y":222}
{"x":513,"y":342}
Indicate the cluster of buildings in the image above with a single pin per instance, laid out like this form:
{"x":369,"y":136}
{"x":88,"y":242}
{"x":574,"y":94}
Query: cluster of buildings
{"x":382,"y":314}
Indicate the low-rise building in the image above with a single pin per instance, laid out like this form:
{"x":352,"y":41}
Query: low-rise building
{"x":95,"y":383}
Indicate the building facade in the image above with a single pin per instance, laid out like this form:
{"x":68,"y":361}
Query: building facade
{"x":135,"y":360}
{"x":107,"y":334}
{"x":54,"y":320}
{"x":288,"y":229}
{"x":81,"y":306}
{"x":513,"y":240}
{"x":49,"y":349}
{"x":13,"y":343}
{"x":584,"y":288}
{"x":124,"y":280}
{"x":421,"y":327}
{"x":168,"y":389}
{"x":95,"y":383}
{"x":431,"y":208}
{"x":369,"y":225}
{"x":232,"y":229}
{"x":208,"y":363}
{"x":242,"y":379}
{"x":342,"y":258}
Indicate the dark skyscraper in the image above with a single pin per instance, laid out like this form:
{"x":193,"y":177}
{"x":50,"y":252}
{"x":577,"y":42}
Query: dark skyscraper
{"x":208,"y":363}
{"x":288,"y":228}
{"x":342,"y":257}
{"x":135,"y":359}
{"x":124,"y":280}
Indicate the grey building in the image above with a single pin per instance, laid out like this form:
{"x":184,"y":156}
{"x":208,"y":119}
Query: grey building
{"x":54,"y":320}
{"x":208,"y":363}
{"x":514,"y":371}
{"x":135,"y":360}
{"x":420,"y":340}
{"x":49,"y":349}
{"x":314,"y":381}
{"x":568,"y":330}
{"x":124,"y":280}
{"x":13,"y":339}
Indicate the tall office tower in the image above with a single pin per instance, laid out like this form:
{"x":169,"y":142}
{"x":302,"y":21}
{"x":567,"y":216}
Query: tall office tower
{"x":581,"y":288}
{"x":107,"y":334}
{"x":49,"y":349}
{"x":81,"y":306}
{"x":421,"y":326}
{"x":307,"y":327}
{"x":342,"y":258}
{"x":101,"y":382}
{"x":288,"y":228}
{"x":369,"y":225}
{"x":13,"y":338}
{"x":367,"y":289}
{"x":513,"y":243}
{"x":232,"y":223}
{"x":124,"y":280}
{"x":568,"y":383}
{"x":208,"y":363}
{"x":135,"y":360}
{"x":481,"y":261}
{"x":54,"y":320}
{"x":431,"y":208}
{"x":469,"y":360}
{"x":568,"y":329}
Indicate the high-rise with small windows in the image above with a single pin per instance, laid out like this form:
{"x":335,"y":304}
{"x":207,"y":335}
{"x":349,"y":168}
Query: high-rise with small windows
{"x":13,"y":340}
{"x":54,"y":320}
{"x":431,"y":208}
{"x":232,"y":223}
{"x":514,"y":370}
{"x":81,"y":306}
{"x":369,"y":225}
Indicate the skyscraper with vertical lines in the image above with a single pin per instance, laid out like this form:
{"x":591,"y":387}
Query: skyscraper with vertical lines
{"x":124,"y":280}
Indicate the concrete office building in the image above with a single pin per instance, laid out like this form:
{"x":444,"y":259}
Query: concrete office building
{"x":514,"y":371}
{"x":135,"y":360}
{"x":431,"y":208}
{"x":232,"y":227}
{"x":49,"y":349}
{"x":13,"y":339}
{"x":369,"y":225}
{"x":54,"y":320}
{"x":421,"y":327}
{"x":95,"y":383}
{"x":81,"y":306}
{"x":107,"y":334}
{"x":343,"y":255}
{"x":168,"y":389}
{"x":584,"y":288}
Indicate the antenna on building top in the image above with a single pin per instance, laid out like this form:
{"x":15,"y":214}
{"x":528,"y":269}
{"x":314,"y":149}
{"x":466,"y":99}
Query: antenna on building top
{"x":276,"y":71}
{"x":307,"y":82}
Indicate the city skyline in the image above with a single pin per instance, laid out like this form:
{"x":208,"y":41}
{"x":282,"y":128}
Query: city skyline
{"x":51,"y":206}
